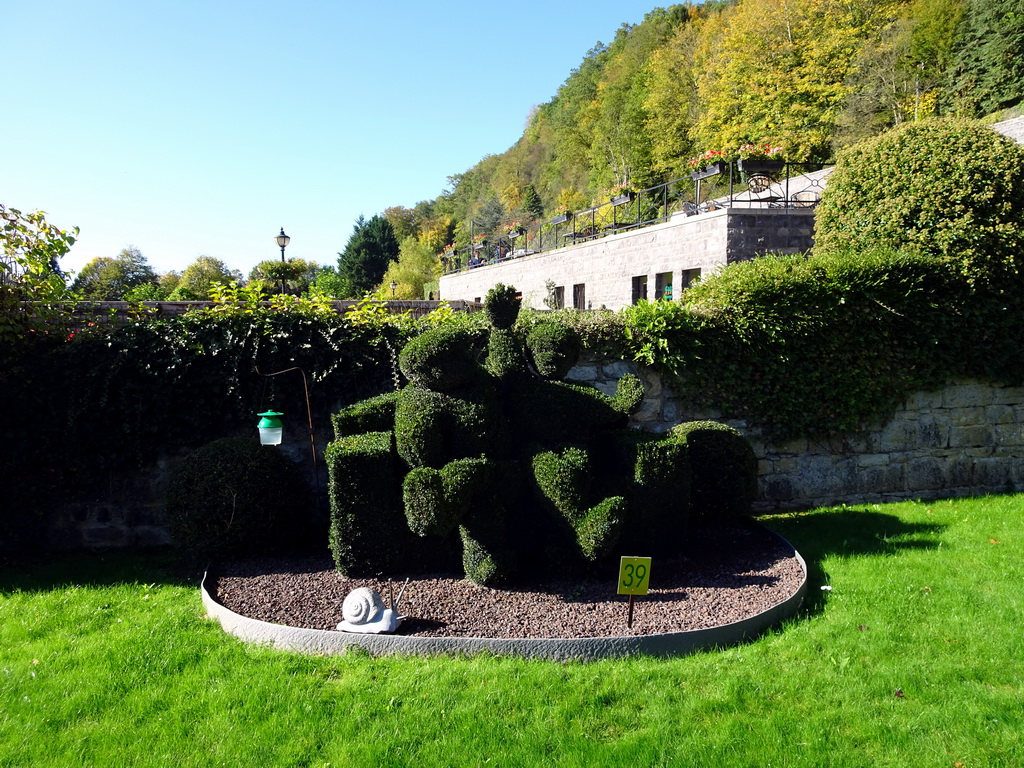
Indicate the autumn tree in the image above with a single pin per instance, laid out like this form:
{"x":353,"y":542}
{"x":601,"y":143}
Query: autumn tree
{"x":417,"y":265}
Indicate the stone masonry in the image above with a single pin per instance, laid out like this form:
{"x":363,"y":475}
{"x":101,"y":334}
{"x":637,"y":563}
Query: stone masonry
{"x":606,"y":268}
{"x":966,"y":439}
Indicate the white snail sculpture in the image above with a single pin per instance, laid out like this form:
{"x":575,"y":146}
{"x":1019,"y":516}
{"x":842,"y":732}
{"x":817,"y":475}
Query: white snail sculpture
{"x":364,"y":612}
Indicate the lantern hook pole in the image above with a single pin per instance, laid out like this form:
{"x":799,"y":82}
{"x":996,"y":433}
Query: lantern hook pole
{"x":309,"y":416}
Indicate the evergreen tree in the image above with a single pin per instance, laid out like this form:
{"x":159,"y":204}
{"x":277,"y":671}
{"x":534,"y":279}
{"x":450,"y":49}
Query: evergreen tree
{"x":532,"y":205}
{"x":369,"y":251}
{"x":989,"y":73}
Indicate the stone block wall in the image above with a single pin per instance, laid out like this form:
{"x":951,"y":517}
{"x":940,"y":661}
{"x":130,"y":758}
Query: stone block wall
{"x":965,"y":439}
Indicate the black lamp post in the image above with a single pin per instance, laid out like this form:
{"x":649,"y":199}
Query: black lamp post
{"x":282,"y":240}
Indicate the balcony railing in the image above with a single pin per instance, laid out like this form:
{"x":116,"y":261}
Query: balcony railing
{"x":793,"y":185}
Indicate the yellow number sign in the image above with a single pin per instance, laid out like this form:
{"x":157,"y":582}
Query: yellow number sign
{"x":634,"y":575}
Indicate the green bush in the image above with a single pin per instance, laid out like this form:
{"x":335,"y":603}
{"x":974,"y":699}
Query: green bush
{"x":504,"y":356}
{"x":599,"y":531}
{"x":554,"y":349}
{"x":564,"y":479}
{"x":629,"y":394}
{"x":433,"y":428}
{"x":723,"y":471}
{"x":375,"y":414}
{"x":948,"y":188}
{"x":502,"y":306}
{"x":368,"y":533}
{"x":235,"y":497}
{"x":437,"y":499}
{"x":763,"y":340}
{"x":441,"y":359}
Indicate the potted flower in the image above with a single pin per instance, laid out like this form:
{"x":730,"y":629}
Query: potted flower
{"x":562,"y":215}
{"x":707,"y":164}
{"x":761,"y":158}
{"x":620,"y":194}
{"x":515,"y":229}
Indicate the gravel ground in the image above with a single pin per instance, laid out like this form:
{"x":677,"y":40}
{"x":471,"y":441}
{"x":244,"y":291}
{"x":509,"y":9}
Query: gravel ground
{"x":727,"y":575}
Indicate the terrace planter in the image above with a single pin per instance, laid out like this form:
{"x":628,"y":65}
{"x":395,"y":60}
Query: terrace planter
{"x":622,"y":199}
{"x":561,"y":218}
{"x":761,"y":165}
{"x":708,"y":171}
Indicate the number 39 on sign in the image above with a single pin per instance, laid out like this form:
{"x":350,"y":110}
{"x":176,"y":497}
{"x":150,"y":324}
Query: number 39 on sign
{"x":634,"y":575}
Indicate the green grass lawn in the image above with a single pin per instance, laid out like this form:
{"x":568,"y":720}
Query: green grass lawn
{"x":914,"y":658}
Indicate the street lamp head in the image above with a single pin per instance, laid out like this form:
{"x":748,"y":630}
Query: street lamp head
{"x":282,"y":239}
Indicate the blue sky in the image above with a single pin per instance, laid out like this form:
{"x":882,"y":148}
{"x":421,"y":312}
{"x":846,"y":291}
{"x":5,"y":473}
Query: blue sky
{"x":189,"y":128}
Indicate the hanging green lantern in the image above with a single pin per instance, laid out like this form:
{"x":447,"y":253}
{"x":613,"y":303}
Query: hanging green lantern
{"x":271,"y":427}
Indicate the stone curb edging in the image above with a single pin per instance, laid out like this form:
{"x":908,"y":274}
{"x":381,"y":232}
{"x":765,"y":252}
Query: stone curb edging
{"x":325,"y":642}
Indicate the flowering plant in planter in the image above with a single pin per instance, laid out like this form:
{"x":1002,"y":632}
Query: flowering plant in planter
{"x":765,"y":151}
{"x":709,"y":158}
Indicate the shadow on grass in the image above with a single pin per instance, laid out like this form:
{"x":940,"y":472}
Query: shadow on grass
{"x":845,"y":532}
{"x":41,"y":573}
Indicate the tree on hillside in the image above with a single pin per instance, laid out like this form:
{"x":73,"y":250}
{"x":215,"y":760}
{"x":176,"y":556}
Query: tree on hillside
{"x":417,"y":265}
{"x":200,"y":275}
{"x":900,"y":69}
{"x":780,"y":71}
{"x":532,"y":206}
{"x":110,"y":279}
{"x":989,"y":72}
{"x":369,"y":251}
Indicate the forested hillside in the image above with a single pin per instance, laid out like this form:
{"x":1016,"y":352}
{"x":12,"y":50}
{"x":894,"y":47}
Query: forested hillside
{"x":811,"y":76}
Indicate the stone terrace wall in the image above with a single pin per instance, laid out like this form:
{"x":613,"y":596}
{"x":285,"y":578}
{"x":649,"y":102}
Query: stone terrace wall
{"x":966,"y":439}
{"x":606,"y":267}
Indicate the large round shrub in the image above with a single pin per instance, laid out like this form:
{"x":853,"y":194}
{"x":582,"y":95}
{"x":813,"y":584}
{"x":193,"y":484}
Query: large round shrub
{"x":945,"y":187}
{"x":236,"y":497}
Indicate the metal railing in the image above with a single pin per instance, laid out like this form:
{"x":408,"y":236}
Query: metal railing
{"x":734,"y":185}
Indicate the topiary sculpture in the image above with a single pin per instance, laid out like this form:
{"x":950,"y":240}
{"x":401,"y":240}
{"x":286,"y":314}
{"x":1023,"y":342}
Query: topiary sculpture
{"x":528,"y":469}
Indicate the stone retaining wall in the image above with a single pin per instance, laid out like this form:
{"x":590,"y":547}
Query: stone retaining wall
{"x":963,"y":440}
{"x":966,"y":439}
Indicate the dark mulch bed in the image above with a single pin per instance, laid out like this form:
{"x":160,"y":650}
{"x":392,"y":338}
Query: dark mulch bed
{"x":726,"y":575}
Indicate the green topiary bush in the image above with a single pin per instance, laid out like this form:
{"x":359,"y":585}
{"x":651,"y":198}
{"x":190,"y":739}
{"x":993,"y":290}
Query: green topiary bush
{"x":376,"y":414}
{"x":554,"y":349}
{"x":723,"y":471}
{"x":502,"y":306}
{"x":949,"y":188}
{"x":234,"y":497}
{"x":442,"y":359}
{"x":368,"y":533}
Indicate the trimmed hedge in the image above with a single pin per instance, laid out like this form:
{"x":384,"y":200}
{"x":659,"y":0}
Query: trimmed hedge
{"x":442,"y":359}
{"x":950,"y":188}
{"x":376,"y":414}
{"x":234,"y":497}
{"x":554,"y":349}
{"x":723,"y":471}
{"x":368,"y":534}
